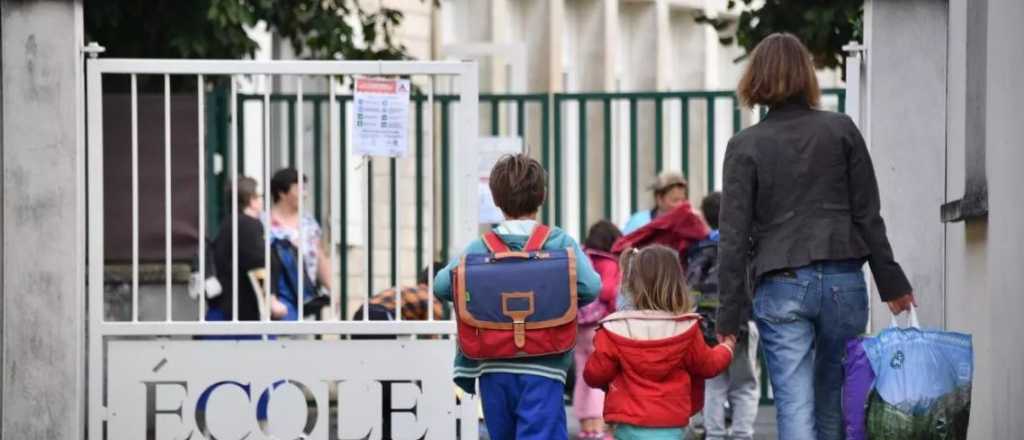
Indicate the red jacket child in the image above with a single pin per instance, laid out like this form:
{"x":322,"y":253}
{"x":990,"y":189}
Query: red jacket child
{"x":678,"y":229}
{"x":653,"y":365}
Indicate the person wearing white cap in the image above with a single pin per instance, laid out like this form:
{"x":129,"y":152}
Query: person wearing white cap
{"x":669,"y":192}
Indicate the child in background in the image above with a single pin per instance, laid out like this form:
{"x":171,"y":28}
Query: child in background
{"x":588,"y":402}
{"x":738,"y":385}
{"x":522,"y":397}
{"x":653,"y":360}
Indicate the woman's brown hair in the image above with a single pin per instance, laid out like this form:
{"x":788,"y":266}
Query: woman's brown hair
{"x":653,"y":278}
{"x":780,"y":70}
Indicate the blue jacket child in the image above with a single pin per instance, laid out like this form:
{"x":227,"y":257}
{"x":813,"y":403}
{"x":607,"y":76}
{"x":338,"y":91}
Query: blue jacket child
{"x":521,"y":398}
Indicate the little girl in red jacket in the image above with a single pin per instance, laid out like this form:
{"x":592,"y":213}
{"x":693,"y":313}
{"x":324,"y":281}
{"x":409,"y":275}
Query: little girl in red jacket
{"x":652,"y":360}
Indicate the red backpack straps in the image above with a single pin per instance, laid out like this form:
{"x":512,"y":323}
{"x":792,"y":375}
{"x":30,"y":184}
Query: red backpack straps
{"x":537,"y":238}
{"x":535,"y":243}
{"x":494,"y":243}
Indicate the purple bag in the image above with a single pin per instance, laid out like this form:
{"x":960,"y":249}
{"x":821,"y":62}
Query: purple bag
{"x":859,"y":381}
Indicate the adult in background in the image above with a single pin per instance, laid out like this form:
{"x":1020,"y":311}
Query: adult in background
{"x":250,"y":256}
{"x":800,"y":216}
{"x":669,"y":192}
{"x":303,"y":232}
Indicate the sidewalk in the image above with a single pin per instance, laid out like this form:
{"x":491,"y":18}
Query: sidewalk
{"x":764,"y":428}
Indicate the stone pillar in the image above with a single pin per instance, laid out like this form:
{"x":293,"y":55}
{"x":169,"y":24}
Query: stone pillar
{"x":967,"y":292}
{"x":906,"y":107}
{"x":43,"y":160}
{"x":1004,"y":157}
{"x":592,"y":26}
{"x":639,"y":48}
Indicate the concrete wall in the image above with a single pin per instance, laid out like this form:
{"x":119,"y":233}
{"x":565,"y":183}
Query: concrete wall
{"x":907,"y":143}
{"x":967,"y":56}
{"x":968,"y":294}
{"x":1005,"y":155}
{"x":43,"y":221}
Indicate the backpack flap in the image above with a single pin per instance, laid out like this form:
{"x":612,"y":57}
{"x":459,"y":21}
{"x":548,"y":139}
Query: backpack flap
{"x":537,"y":289}
{"x":516,"y":304}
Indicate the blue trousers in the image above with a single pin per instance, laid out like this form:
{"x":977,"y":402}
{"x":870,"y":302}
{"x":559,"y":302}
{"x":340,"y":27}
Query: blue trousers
{"x":805,"y":317}
{"x":523,"y":407}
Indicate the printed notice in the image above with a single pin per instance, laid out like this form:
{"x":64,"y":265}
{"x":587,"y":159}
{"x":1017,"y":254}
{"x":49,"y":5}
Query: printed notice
{"x":382,"y":115}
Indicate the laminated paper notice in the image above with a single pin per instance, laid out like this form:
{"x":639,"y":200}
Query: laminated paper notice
{"x":382,"y":115}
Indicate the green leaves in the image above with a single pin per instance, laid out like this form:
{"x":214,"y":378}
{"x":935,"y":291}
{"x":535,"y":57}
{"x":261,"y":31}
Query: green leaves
{"x":317,"y":29}
{"x":824,"y":26}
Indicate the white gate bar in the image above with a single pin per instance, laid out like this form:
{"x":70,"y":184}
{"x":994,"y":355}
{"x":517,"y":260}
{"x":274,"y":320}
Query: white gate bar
{"x":300,"y":155}
{"x":465,"y":210}
{"x":135,"y":200}
{"x":430,"y":236}
{"x":367,"y":168}
{"x":201,"y":92}
{"x":277,"y":67}
{"x":853,"y":86}
{"x":167,"y":195}
{"x":151,"y":328}
{"x":267,"y":294}
{"x":234,"y":200}
{"x":468,"y":416}
{"x":395,"y":248}
{"x":94,"y":87}
{"x":333,"y":202}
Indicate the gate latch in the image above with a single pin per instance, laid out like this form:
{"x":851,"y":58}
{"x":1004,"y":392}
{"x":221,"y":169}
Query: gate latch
{"x":93,"y":49}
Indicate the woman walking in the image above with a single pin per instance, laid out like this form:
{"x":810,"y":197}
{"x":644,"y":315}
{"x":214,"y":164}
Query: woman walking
{"x":799,"y":217}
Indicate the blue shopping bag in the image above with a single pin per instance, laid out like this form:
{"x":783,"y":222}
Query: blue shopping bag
{"x":922,"y":382}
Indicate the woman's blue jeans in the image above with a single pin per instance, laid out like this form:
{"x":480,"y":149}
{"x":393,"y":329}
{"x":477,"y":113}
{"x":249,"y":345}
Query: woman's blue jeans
{"x":805,"y":317}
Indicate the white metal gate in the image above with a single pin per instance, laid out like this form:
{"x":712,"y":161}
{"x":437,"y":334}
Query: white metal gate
{"x":153,"y":379}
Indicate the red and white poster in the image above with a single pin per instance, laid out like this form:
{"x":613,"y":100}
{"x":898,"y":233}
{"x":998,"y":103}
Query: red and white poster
{"x":381,"y":117}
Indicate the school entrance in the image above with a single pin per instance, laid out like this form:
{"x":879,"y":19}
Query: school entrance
{"x":158,"y":368}
{"x":166,"y":139}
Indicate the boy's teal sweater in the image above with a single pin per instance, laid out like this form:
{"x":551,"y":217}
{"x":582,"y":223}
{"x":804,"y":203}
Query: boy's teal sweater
{"x":554,"y":366}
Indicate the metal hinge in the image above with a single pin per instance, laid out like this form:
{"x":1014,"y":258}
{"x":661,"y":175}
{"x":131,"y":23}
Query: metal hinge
{"x":93,"y":49}
{"x":855,"y":48}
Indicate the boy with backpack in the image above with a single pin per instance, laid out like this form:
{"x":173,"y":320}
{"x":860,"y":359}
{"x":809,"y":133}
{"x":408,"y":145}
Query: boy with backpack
{"x":738,"y":386}
{"x":517,"y":320}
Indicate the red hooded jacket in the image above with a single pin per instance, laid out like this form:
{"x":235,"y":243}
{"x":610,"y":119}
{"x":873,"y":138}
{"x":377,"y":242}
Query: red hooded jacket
{"x":677,"y":229}
{"x":652,"y":365}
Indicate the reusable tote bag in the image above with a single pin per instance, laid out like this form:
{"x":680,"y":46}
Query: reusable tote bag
{"x":922,"y":383}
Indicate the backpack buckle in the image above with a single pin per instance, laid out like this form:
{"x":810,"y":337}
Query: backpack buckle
{"x":517,"y":306}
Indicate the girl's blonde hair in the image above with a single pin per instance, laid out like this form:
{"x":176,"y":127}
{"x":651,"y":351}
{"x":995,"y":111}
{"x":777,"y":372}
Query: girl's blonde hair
{"x":653,"y":278}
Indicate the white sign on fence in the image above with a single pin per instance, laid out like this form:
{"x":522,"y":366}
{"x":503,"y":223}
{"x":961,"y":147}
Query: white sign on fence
{"x":281,"y":389}
{"x":381,"y":117}
{"x":491,"y":149}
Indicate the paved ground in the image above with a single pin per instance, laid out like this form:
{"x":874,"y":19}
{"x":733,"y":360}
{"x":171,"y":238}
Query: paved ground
{"x":764,"y":428}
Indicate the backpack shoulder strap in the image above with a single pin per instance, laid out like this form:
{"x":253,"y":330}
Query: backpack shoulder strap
{"x":538,"y":237}
{"x":494,"y":243}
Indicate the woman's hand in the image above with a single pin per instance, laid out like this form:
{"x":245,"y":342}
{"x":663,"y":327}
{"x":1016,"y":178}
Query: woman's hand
{"x":902,"y":304}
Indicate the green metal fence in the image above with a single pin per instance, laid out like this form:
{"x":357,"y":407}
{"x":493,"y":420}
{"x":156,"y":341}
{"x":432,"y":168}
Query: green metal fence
{"x":660,"y":100}
{"x":529,"y":116}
